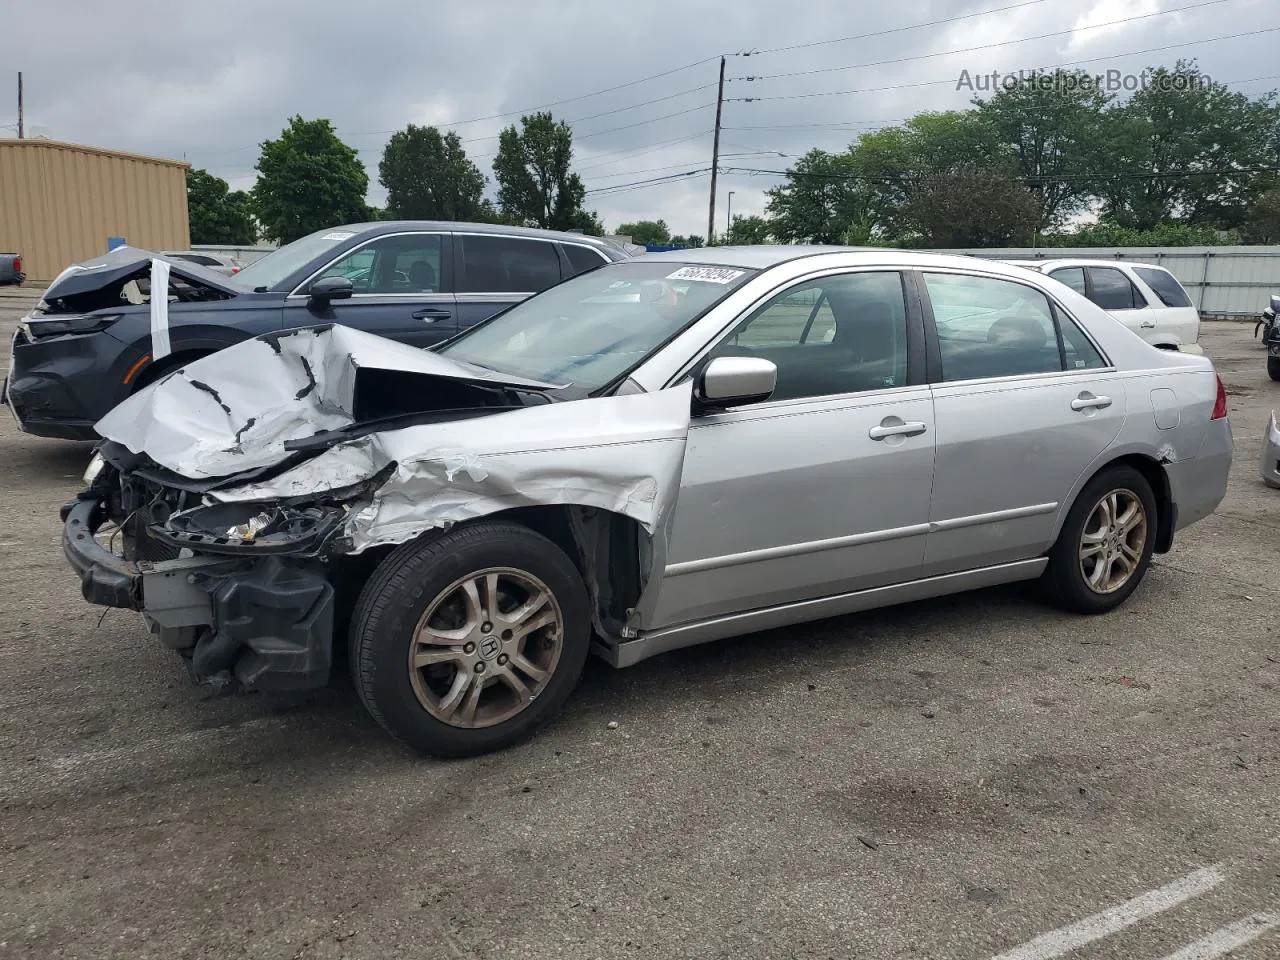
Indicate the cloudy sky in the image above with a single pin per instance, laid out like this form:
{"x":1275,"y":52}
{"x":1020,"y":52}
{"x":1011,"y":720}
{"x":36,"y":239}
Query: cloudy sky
{"x":208,"y":82}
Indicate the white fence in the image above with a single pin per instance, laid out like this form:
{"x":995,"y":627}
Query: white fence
{"x":1222,"y":281}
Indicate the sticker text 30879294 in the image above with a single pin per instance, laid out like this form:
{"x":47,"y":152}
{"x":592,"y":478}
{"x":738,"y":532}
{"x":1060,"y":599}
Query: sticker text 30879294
{"x":706,"y":274}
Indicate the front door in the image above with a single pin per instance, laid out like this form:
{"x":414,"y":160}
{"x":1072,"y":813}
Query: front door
{"x":400,"y":290}
{"x":823,"y":488}
{"x":1022,"y":408}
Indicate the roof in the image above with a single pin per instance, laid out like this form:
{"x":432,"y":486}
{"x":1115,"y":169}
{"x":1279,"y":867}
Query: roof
{"x":764,"y":256}
{"x":394,"y":226}
{"x":32,"y":143}
{"x":1048,"y":262}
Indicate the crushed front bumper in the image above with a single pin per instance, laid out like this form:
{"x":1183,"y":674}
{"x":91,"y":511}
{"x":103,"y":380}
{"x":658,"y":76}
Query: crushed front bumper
{"x":247,"y":623}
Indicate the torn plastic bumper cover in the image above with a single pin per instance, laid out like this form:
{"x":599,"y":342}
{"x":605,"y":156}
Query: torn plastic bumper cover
{"x":264,"y":624}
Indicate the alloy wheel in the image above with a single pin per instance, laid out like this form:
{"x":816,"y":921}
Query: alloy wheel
{"x":1113,"y":541}
{"x":486,"y":647}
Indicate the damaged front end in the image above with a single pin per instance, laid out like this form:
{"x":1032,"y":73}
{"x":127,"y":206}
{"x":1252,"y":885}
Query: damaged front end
{"x":241,"y":503}
{"x":247,"y":592}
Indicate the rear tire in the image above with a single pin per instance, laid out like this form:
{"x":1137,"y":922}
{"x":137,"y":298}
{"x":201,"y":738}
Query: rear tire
{"x":466,"y":642}
{"x":1273,"y":368}
{"x":1106,"y":543}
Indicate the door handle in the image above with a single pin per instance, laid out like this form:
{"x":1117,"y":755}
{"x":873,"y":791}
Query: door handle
{"x":430,"y":315}
{"x":1147,"y":325}
{"x":911,"y":428}
{"x":1087,"y":401}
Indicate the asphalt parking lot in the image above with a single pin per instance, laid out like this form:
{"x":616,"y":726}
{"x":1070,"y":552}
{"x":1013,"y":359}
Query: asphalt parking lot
{"x":968,"y":777}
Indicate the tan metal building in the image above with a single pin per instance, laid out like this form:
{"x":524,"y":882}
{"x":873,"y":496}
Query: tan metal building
{"x":61,"y":202}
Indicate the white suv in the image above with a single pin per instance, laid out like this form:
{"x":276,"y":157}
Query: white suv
{"x":1147,"y":299}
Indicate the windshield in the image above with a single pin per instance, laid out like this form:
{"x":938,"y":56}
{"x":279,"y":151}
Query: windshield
{"x":589,"y":330}
{"x":272,"y":269}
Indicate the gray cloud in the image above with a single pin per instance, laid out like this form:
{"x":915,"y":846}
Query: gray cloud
{"x":209,"y":82}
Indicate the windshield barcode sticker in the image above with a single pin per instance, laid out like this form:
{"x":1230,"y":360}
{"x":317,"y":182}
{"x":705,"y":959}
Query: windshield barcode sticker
{"x":706,"y":274}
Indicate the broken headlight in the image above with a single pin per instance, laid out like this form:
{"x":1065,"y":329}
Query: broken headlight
{"x":37,"y":328}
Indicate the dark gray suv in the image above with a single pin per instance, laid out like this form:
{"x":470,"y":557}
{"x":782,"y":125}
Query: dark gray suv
{"x":93,"y":339}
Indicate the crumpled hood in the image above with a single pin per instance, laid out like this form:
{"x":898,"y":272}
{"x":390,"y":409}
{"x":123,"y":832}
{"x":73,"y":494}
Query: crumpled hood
{"x":124,"y":263}
{"x":235,"y":410}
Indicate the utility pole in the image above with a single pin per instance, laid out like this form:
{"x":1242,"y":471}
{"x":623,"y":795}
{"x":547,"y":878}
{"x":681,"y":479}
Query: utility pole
{"x":715,"y":160}
{"x":20,"y":118}
{"x":728,"y":214}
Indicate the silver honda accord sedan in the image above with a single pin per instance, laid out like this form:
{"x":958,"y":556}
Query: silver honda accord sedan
{"x":673,"y":449}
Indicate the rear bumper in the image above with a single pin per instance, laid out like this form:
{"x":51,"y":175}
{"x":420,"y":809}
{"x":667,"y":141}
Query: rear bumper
{"x":257,"y":624}
{"x":1197,"y":485}
{"x":1193,"y":348}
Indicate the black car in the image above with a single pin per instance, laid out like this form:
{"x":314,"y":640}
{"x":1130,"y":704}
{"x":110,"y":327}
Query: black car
{"x":94,"y":337}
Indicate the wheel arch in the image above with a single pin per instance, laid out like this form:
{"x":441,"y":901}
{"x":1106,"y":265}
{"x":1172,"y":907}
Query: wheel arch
{"x":1154,"y":473}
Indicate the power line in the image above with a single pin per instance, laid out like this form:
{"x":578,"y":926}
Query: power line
{"x":891,"y":30}
{"x":1052,"y":66}
{"x":985,"y":46}
{"x":620,"y":187}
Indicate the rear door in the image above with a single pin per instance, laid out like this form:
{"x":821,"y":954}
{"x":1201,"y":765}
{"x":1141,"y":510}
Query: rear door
{"x":400,"y":290}
{"x":1023,"y":403}
{"x":495,"y":271}
{"x":1176,"y":313}
{"x":1112,"y":290}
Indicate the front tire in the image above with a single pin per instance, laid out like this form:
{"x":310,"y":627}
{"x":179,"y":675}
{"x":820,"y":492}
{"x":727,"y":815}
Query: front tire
{"x":1106,"y":543}
{"x":1273,"y":368}
{"x":466,"y":642}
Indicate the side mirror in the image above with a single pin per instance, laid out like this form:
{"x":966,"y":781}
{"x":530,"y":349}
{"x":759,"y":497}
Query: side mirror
{"x":328,"y":288}
{"x":727,"y":381}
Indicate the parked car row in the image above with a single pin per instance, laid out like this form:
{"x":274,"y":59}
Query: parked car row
{"x":656,"y":452}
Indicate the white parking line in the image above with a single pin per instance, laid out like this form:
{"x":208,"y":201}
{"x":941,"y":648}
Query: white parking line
{"x":1055,"y":943}
{"x":1222,"y":942}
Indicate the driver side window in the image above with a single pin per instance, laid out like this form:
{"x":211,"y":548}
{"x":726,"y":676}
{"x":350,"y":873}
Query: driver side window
{"x":407,"y":263}
{"x":845,"y":333}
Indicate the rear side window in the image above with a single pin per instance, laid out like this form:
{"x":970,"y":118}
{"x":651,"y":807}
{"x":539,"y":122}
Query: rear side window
{"x":1078,"y":352}
{"x":507,"y":265}
{"x":992,"y":328}
{"x":1073,"y":277}
{"x":1112,"y":290}
{"x":582,"y":259}
{"x":1166,"y":286}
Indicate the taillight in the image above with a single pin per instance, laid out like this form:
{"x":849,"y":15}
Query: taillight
{"x":17,"y":264}
{"x":1220,"y":405}
{"x":235,"y":270}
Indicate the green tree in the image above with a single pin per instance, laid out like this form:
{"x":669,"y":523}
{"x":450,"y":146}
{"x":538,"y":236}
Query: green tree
{"x":428,"y":176}
{"x":1263,"y":225}
{"x":308,"y":179}
{"x":744,"y":231}
{"x":820,"y":201}
{"x":970,"y":208}
{"x":692,"y":241}
{"x":1049,"y":126}
{"x":1114,"y":235}
{"x":535,"y":184}
{"x":216,"y":214}
{"x":1185,"y":148}
{"x":646,"y":232}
